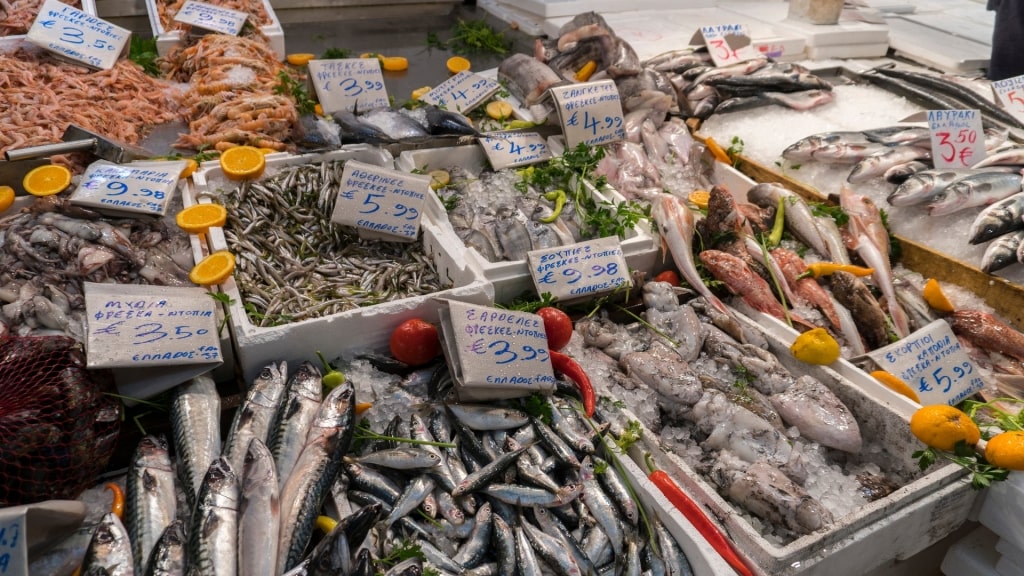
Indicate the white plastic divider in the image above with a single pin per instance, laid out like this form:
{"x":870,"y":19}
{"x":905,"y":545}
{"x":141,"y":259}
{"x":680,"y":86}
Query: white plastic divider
{"x":167,"y":39}
{"x":512,"y":278}
{"x":346,"y":333}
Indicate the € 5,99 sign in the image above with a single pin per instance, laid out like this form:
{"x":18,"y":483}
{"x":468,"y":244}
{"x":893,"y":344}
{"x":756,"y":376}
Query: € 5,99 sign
{"x":381,"y":201}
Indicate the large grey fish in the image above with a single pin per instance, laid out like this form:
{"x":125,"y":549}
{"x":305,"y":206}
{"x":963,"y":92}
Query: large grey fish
{"x":846,"y":153}
{"x":752,"y":85}
{"x":795,"y":101}
{"x":258,"y":513}
{"x":195,"y":420}
{"x":878,"y":164}
{"x":899,"y":134}
{"x":150,"y":499}
{"x":925,"y":185}
{"x":254,"y":417}
{"x":441,"y":122}
{"x":168,"y":557}
{"x":213,"y":535}
{"x":601,"y":506}
{"x":109,"y":552}
{"x":394,"y":124}
{"x":294,"y":417}
{"x":975,"y":190}
{"x":997,"y":219}
{"x":1002,"y":252}
{"x":513,"y":235}
{"x":899,"y":173}
{"x":314,"y":473}
{"x":804,"y":148}
{"x":356,"y":131}
{"x":1011,"y":157}
{"x":527,"y":78}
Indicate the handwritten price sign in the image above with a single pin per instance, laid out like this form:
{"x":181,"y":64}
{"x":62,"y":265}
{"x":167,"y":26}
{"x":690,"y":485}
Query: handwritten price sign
{"x":73,"y":34}
{"x":727,"y":43}
{"x":210,"y":17}
{"x":579,"y":270}
{"x":144,"y":188}
{"x":591,"y":113}
{"x":1011,"y":93}
{"x":13,"y":550}
{"x":958,"y":139}
{"x":462,"y":92}
{"x":934,"y":363}
{"x":512,"y":149}
{"x":495,"y":353}
{"x":380,"y":201}
{"x":348,"y":84}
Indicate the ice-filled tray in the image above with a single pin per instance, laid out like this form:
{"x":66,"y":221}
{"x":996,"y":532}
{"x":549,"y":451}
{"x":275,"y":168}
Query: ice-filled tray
{"x":919,"y":513}
{"x":167,"y":39}
{"x":336,"y":334}
{"x":512,"y":278}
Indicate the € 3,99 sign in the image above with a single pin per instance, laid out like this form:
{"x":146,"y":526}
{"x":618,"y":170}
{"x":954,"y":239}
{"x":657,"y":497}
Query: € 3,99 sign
{"x":348,"y":84}
{"x":71,"y":33}
{"x":958,"y":140}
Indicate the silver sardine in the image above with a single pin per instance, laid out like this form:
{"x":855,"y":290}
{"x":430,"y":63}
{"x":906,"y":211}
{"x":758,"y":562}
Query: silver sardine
{"x":150,"y":499}
{"x":195,"y":420}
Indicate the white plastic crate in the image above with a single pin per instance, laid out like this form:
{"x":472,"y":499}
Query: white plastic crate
{"x":355,"y":330}
{"x":512,"y":278}
{"x":167,"y":39}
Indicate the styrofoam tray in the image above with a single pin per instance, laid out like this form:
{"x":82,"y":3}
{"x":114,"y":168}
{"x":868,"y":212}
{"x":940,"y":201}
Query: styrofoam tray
{"x":347,"y":332}
{"x":560,"y":8}
{"x":167,"y":39}
{"x":512,"y":278}
{"x":898,"y":526}
{"x":15,"y":41}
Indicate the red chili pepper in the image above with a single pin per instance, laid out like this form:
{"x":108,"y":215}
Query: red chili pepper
{"x":695,"y":514}
{"x":568,"y":366}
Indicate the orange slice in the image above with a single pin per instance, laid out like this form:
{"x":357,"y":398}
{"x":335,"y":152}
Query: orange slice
{"x":457,"y":64}
{"x":419,"y":92}
{"x":6,"y":198}
{"x":243,"y":163}
{"x":717,"y":151}
{"x":394,"y":63}
{"x":318,"y":109}
{"x":199,"y":218}
{"x":47,"y":180}
{"x":896,"y":384}
{"x":300,"y":58}
{"x":214,"y":269}
{"x":190,"y":168}
{"x":934,"y":296}
{"x":699,"y":198}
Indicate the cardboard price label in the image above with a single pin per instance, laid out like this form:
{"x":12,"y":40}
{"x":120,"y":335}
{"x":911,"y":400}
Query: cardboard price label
{"x":495,"y":353}
{"x":727,"y":43}
{"x":462,"y":92}
{"x":591,"y":113}
{"x":933,"y":362}
{"x":210,"y":17}
{"x":958,"y":139}
{"x":13,"y":536}
{"x":144,"y":188}
{"x":381,"y":201}
{"x":507,"y":150}
{"x":579,"y":270}
{"x":1011,"y":93}
{"x":73,"y":34}
{"x":135,"y":325}
{"x":348,"y":84}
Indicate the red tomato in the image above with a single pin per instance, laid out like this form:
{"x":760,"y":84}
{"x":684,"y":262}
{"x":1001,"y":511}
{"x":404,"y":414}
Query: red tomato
{"x":557,"y":325}
{"x":669,"y":276}
{"x":415,"y":342}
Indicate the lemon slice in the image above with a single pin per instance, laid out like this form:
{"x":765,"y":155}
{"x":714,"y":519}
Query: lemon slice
{"x":896,"y":384}
{"x":717,"y":151}
{"x":199,"y":218}
{"x":499,"y":110}
{"x":318,"y":109}
{"x":457,"y":64}
{"x":6,"y":198}
{"x":699,"y":198}
{"x":934,"y":296}
{"x":214,"y":269}
{"x":300,"y":58}
{"x":815,"y":346}
{"x":47,"y":180}
{"x":190,"y":168}
{"x":394,"y":63}
{"x":419,"y":92}
{"x":243,"y":163}
{"x":439,"y":179}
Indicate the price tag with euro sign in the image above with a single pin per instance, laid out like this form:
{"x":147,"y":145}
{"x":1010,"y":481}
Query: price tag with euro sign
{"x":511,"y":149}
{"x":71,"y":33}
{"x":348,"y":84}
{"x":381,"y":203}
{"x":727,"y":43}
{"x":581,"y":270}
{"x":1011,"y":93}
{"x":13,"y":538}
{"x":462,"y":92}
{"x":211,"y":17}
{"x":591,"y":113}
{"x":129,"y":189}
{"x":495,"y":353}
{"x":932,"y":362}
{"x":958,"y":139}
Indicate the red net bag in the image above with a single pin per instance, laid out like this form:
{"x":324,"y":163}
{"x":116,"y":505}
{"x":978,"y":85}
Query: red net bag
{"x":57,"y":427}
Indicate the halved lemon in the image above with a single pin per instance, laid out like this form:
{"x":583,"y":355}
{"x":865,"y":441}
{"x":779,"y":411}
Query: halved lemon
{"x":699,"y":198}
{"x":300,"y":58}
{"x":199,"y":218}
{"x":47,"y":180}
{"x":457,"y":64}
{"x":439,"y":179}
{"x":214,"y":269}
{"x":394,"y":63}
{"x":6,"y":198}
{"x":934,"y":296}
{"x":243,"y":162}
{"x":499,"y":109}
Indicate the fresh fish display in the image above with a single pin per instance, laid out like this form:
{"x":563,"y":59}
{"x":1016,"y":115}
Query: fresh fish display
{"x":285,"y":278}
{"x":974,"y":190}
{"x":356,"y":130}
{"x":1002,"y":252}
{"x":109,"y":552}
{"x":259,"y":512}
{"x":878,"y":164}
{"x":1011,"y":157}
{"x":294,"y":417}
{"x":168,"y":556}
{"x":796,"y":101}
{"x":853,"y":294}
{"x":395,"y":125}
{"x":998,"y":218}
{"x":213,"y":532}
{"x":799,"y":220}
{"x":528,"y":79}
{"x":927,"y":97}
{"x":676,"y":225}
{"x":988,"y":332}
{"x":150,"y":500}
{"x":254,"y":417}
{"x":195,"y":420}
{"x":924,"y":186}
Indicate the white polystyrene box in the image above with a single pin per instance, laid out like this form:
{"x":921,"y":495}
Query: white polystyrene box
{"x":353,"y":331}
{"x":512,"y":278}
{"x":1001,"y":509}
{"x":167,"y":39}
{"x":973,"y":555}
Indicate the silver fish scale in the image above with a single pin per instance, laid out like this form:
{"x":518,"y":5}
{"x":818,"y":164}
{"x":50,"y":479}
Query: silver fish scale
{"x":296,"y":264}
{"x":150,"y":500}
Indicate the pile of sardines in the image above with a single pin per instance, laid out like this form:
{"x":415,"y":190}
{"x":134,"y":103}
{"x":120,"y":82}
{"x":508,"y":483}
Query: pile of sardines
{"x":458,"y":488}
{"x":295,"y":264}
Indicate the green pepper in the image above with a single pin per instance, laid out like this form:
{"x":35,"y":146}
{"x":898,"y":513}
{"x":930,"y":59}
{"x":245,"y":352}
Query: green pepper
{"x":558,"y":197}
{"x":332,"y":378}
{"x":780,"y":219}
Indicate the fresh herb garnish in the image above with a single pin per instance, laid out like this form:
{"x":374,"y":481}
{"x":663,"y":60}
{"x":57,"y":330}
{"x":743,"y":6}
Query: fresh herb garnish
{"x":288,"y":86}
{"x":225,"y":299}
{"x":472,"y":37}
{"x":525,"y":303}
{"x":822,"y":210}
{"x":336,"y":54}
{"x":983,"y":474}
{"x":631,"y":435}
{"x":143,"y":52}
{"x":539,"y":407}
{"x":734,"y":150}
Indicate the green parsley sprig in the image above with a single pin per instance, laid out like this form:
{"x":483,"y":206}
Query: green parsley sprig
{"x":288,"y":86}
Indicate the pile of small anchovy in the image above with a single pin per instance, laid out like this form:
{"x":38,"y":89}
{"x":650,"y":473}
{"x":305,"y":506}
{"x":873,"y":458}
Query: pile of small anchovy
{"x":295,"y":264}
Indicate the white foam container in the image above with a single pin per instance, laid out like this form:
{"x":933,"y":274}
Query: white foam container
{"x":512,"y":278}
{"x":361,"y":329}
{"x":167,"y":39}
{"x":898,"y":526}
{"x":973,"y":555}
{"x":15,"y":41}
{"x":1000,"y":511}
